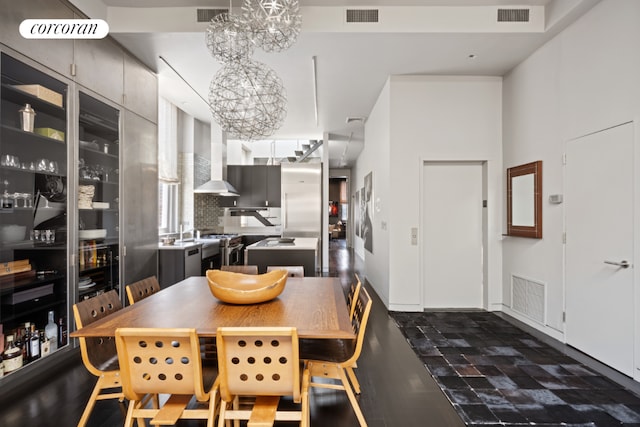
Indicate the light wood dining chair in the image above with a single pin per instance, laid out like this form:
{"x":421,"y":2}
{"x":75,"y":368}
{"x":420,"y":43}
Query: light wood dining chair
{"x":246,"y":269}
{"x":142,"y":289}
{"x":352,"y":296}
{"x":99,"y":355}
{"x":260,"y":362}
{"x":341,"y":372}
{"x":294,"y":270}
{"x":164,"y":361}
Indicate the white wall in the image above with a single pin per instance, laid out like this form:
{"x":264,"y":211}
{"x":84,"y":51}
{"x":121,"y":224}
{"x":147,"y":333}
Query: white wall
{"x":420,"y":118}
{"x":439,"y":118}
{"x":375,"y":158}
{"x":586,"y":79}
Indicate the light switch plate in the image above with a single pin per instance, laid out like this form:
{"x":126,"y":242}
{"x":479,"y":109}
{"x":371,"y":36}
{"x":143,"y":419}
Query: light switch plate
{"x":414,"y":236}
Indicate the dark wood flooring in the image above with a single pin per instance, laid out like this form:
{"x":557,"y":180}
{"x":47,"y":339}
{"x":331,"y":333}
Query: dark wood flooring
{"x":397,"y":390}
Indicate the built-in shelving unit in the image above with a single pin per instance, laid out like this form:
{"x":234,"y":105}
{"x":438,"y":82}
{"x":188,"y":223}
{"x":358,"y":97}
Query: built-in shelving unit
{"x":33,"y":202}
{"x":98,"y":215}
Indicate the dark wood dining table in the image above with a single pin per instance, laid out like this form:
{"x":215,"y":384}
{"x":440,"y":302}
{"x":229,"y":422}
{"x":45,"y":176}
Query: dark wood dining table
{"x":316,"y":306}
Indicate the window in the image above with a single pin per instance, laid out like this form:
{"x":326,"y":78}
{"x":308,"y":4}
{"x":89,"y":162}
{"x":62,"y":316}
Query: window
{"x":168,"y":207}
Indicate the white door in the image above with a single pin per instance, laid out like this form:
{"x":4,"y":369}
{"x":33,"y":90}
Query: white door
{"x":599,"y":225}
{"x":452,"y":235}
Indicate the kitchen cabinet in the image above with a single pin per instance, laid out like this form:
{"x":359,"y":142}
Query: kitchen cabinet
{"x":57,"y":54}
{"x":275,"y":251}
{"x":140,"y":197}
{"x":92,"y":58}
{"x":258,"y":186}
{"x":34,"y":198}
{"x":140,"y":89}
{"x":177,"y":262}
{"x":98,"y":196}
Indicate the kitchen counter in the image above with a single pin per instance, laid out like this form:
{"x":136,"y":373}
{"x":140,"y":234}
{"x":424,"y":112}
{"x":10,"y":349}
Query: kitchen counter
{"x":307,"y":243}
{"x":179,"y":245}
{"x":272,"y":252}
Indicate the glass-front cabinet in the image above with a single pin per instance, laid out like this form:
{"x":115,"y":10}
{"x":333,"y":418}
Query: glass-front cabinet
{"x":60,"y":160}
{"x":34,"y":152}
{"x":98,"y":197}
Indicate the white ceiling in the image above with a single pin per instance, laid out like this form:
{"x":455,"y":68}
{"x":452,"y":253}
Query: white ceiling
{"x":353,"y":61}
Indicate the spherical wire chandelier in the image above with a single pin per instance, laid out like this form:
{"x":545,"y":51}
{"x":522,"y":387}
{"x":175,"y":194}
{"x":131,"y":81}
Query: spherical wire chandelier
{"x":247,"y":99}
{"x":229,"y":38}
{"x":275,"y":23}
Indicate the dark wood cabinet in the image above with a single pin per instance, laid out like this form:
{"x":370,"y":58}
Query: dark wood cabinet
{"x":258,"y":186}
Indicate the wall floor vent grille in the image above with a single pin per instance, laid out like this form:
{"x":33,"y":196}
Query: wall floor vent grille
{"x":206,"y":15}
{"x":513,"y":15}
{"x":362,"y":15}
{"x":527,"y":298}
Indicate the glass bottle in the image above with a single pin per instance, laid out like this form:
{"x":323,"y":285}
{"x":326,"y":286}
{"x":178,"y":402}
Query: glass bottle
{"x":34,"y":343}
{"x":12,"y":356}
{"x":26,"y":346}
{"x":45,"y":345}
{"x":62,"y":333}
{"x":51,"y":332}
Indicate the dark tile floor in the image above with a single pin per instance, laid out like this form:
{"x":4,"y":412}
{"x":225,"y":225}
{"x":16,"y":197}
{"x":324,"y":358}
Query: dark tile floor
{"x":494,"y":373}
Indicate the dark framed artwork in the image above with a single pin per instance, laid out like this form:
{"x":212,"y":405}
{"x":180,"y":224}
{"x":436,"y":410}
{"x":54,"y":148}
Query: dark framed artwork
{"x":367,"y":217}
{"x":356,"y":212}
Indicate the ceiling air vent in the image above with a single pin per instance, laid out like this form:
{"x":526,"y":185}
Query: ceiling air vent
{"x":362,"y":15}
{"x":513,"y":15}
{"x":206,"y":15}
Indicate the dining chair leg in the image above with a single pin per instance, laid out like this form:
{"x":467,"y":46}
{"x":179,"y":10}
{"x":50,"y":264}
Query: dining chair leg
{"x":128,"y":422}
{"x":354,"y":380}
{"x":90,"y":404}
{"x":352,"y":398}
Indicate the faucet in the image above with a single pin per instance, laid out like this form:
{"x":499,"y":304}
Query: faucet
{"x":183,"y":231}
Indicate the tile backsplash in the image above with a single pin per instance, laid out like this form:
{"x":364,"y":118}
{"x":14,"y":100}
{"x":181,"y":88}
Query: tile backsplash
{"x":206,"y":207}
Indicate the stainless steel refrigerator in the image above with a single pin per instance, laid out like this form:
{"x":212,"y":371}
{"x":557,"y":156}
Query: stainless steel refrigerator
{"x":301,"y":207}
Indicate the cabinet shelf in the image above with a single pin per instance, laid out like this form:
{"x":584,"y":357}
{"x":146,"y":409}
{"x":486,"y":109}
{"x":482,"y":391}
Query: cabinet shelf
{"x":24,"y":135}
{"x":88,"y":269}
{"x":34,"y":307}
{"x":9,"y":287}
{"x":98,"y":152}
{"x":98,"y":211}
{"x":85,"y":181}
{"x":21,"y":97}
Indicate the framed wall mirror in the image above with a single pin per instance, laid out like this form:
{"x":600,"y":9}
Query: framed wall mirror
{"x":524,"y":200}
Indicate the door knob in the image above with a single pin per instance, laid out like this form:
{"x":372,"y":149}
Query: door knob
{"x":623,"y":263}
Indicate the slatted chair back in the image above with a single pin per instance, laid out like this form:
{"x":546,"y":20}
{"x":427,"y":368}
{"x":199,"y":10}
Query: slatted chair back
{"x":142,"y":289}
{"x":246,"y":269}
{"x":352,"y":296}
{"x":292,"y":270}
{"x":258,"y":361}
{"x":98,"y":354}
{"x":359,"y":322}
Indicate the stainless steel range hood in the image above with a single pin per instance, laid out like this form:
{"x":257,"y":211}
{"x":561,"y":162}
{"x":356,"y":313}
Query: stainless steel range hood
{"x":217,"y":186}
{"x":218,"y":183}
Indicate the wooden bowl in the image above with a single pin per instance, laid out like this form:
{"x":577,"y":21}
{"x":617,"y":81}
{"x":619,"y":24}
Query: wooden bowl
{"x":240,"y":288}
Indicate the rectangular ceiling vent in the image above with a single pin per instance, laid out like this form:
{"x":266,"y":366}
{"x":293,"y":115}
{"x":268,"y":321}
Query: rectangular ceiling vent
{"x":206,"y":15}
{"x":362,"y":15}
{"x":513,"y":15}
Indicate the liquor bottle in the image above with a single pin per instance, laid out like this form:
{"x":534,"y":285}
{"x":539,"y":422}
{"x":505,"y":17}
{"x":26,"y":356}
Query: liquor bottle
{"x":62,"y":333}
{"x":26,"y":343}
{"x":19,"y":341}
{"x":12,"y":356}
{"x":45,"y":344}
{"x":51,"y":332}
{"x":34,"y":343}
